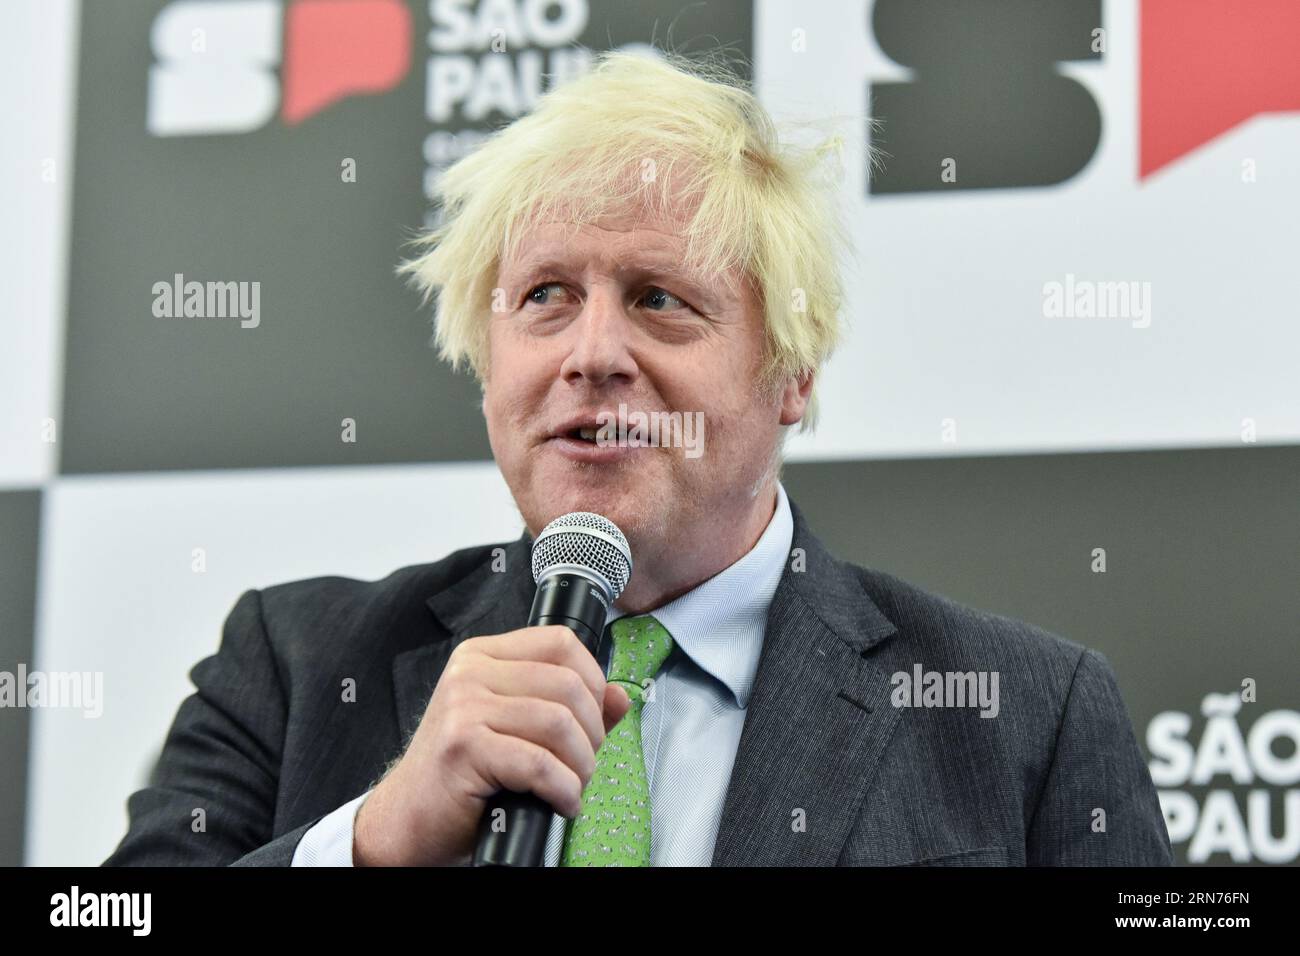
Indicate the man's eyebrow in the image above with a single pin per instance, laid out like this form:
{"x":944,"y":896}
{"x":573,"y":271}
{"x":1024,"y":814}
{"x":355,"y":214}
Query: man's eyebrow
{"x":530,"y":266}
{"x":673,"y":270}
{"x":635,"y":266}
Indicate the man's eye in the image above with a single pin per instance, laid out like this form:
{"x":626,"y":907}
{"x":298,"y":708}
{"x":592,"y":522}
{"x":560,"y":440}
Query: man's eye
{"x":660,"y":300}
{"x":541,"y":295}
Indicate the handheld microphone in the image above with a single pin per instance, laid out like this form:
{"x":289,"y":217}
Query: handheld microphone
{"x":581,"y":563}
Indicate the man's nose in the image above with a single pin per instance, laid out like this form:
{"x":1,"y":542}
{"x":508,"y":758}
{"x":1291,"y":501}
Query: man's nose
{"x":601,"y":340}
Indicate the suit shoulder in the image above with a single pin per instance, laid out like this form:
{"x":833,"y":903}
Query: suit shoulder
{"x":428,"y":578}
{"x":945,"y":626}
{"x":315,"y":612}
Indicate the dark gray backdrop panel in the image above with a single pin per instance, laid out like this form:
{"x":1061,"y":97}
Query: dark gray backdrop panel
{"x":340,"y":335}
{"x":20,"y":518}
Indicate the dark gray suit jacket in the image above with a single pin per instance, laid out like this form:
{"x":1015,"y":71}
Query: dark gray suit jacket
{"x":827,"y":771}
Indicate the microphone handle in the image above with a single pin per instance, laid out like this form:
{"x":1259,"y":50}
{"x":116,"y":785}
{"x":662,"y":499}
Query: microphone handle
{"x":513,"y":828}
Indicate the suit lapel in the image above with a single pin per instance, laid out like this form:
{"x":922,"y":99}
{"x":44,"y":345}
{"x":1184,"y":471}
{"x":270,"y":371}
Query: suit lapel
{"x":819,"y":718}
{"x":486,"y":601}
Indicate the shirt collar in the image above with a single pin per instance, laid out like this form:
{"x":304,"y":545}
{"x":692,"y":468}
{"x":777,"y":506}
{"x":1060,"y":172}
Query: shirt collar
{"x":720,"y":623}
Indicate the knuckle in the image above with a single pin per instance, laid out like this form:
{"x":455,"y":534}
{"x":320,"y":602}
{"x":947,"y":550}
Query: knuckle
{"x":555,"y":720}
{"x":573,"y":686}
{"x":455,"y":670}
{"x":455,"y":746}
{"x":460,"y":735}
{"x":456,"y":702}
{"x":561,"y":636}
{"x":539,"y":763}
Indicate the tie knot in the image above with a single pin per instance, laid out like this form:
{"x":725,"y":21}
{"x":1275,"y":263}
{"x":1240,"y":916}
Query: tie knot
{"x":641,"y":645}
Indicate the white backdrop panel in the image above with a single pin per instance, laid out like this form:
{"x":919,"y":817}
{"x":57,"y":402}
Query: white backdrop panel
{"x":945,"y":298}
{"x":117,"y":595}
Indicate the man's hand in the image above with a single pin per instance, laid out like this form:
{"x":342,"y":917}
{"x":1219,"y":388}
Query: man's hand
{"x":523,"y":711}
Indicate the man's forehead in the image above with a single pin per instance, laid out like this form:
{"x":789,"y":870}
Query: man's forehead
{"x":651,"y":232}
{"x":623,"y":244}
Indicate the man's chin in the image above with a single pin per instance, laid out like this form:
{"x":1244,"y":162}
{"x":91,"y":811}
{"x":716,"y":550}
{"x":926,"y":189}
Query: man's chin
{"x":629,"y":509}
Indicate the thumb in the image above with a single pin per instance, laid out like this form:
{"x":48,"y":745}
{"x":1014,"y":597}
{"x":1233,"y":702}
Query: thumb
{"x":617,"y":704}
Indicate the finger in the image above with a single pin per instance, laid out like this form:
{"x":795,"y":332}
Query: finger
{"x":549,"y":682}
{"x":512,"y":763}
{"x":548,"y":725}
{"x":616,"y":705}
{"x":552,"y":644}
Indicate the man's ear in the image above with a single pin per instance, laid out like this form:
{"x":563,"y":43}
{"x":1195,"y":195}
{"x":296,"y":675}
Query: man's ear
{"x":794,"y":397}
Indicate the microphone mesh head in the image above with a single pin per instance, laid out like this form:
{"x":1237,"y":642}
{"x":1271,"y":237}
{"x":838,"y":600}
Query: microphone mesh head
{"x":588,"y":540}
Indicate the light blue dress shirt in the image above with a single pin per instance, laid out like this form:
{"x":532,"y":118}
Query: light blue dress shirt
{"x":690,"y":730}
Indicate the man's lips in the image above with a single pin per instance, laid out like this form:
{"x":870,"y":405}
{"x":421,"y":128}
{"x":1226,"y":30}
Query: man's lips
{"x":593,"y":420}
{"x":604,"y":447}
{"x":581,"y":450}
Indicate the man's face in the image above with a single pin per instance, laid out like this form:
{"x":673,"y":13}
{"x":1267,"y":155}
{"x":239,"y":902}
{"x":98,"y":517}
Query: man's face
{"x":608,"y":314}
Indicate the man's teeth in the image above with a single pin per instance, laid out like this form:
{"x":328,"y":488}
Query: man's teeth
{"x":588,"y":433}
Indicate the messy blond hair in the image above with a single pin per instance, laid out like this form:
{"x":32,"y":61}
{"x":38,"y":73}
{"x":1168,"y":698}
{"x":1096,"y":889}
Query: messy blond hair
{"x":586,"y":149}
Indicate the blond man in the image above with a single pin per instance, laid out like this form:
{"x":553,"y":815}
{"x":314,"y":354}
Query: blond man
{"x":644,"y":242}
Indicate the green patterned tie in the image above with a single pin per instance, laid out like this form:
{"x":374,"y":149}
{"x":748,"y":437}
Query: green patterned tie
{"x":613,"y":827}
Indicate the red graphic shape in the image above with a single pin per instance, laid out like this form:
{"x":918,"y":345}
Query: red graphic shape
{"x":338,"y":48}
{"x":1209,"y":65}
